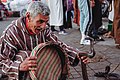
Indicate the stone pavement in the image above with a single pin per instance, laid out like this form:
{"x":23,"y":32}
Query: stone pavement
{"x":106,"y":54}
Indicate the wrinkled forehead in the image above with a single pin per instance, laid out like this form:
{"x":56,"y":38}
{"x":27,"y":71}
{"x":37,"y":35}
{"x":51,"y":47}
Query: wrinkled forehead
{"x":41,"y":17}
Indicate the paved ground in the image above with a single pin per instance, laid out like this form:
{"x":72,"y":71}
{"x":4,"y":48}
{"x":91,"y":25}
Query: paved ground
{"x":106,"y":53}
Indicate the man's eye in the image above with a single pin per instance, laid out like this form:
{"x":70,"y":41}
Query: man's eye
{"x":41,"y":21}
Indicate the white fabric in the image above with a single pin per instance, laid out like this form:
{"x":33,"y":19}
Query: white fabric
{"x":56,"y":12}
{"x":111,"y":14}
{"x":44,"y":1}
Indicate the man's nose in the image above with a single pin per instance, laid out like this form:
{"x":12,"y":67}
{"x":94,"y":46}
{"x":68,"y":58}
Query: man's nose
{"x":44,"y":24}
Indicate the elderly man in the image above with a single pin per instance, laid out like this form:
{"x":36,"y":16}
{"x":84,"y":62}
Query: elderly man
{"x":20,"y":38}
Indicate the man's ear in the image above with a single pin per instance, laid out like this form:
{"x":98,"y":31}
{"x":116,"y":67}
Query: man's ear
{"x":28,"y":16}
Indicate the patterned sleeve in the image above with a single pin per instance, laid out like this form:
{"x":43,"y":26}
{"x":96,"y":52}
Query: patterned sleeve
{"x":10,"y":57}
{"x":71,"y":52}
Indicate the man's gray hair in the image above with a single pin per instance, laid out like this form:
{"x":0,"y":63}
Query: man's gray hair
{"x":37,"y":7}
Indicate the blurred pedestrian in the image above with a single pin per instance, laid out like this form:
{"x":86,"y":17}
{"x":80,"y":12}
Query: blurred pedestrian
{"x":68,"y":5}
{"x":76,"y":18}
{"x":3,"y":10}
{"x":56,"y":15}
{"x":110,"y":18}
{"x":116,"y":23}
{"x":85,"y":19}
{"x":97,"y":20}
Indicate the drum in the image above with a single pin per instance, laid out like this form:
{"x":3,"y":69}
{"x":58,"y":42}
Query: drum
{"x":50,"y":62}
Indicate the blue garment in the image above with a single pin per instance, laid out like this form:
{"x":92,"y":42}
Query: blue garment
{"x":85,"y":16}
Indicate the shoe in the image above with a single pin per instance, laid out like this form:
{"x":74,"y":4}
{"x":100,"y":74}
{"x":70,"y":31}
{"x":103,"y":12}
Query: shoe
{"x":102,"y":31}
{"x":85,"y":42}
{"x":54,"y":30}
{"x":95,"y":37}
{"x":63,"y":32}
{"x":118,"y":46}
{"x":82,"y":38}
{"x":81,"y":41}
{"x":99,"y":39}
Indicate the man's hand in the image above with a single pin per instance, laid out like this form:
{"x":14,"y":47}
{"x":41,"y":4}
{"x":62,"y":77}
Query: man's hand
{"x":83,"y":56}
{"x":29,"y":63}
{"x":85,"y":59}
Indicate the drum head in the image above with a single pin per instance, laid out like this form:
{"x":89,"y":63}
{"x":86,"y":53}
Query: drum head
{"x":50,"y":61}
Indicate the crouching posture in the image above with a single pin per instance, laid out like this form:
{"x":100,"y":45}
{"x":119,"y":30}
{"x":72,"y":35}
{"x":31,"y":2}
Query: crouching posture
{"x":20,"y":59}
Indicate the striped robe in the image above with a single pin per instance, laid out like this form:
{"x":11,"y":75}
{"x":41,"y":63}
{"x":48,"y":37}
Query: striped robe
{"x":16,"y":45}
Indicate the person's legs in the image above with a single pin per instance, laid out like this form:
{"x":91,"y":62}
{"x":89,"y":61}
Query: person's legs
{"x":88,"y":17}
{"x":53,"y":29}
{"x":82,"y":17}
{"x":62,"y":31}
{"x":96,"y":22}
{"x":85,"y":18}
{"x":69,"y":21}
{"x":61,"y":28}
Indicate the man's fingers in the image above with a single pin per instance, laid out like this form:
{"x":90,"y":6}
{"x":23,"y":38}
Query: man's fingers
{"x":32,"y":62}
{"x":83,"y":57}
{"x":86,"y":60}
{"x":32,"y":68}
{"x":32,"y":65}
{"x":32,"y":58}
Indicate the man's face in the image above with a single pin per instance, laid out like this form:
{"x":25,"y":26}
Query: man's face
{"x":38,"y":23}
